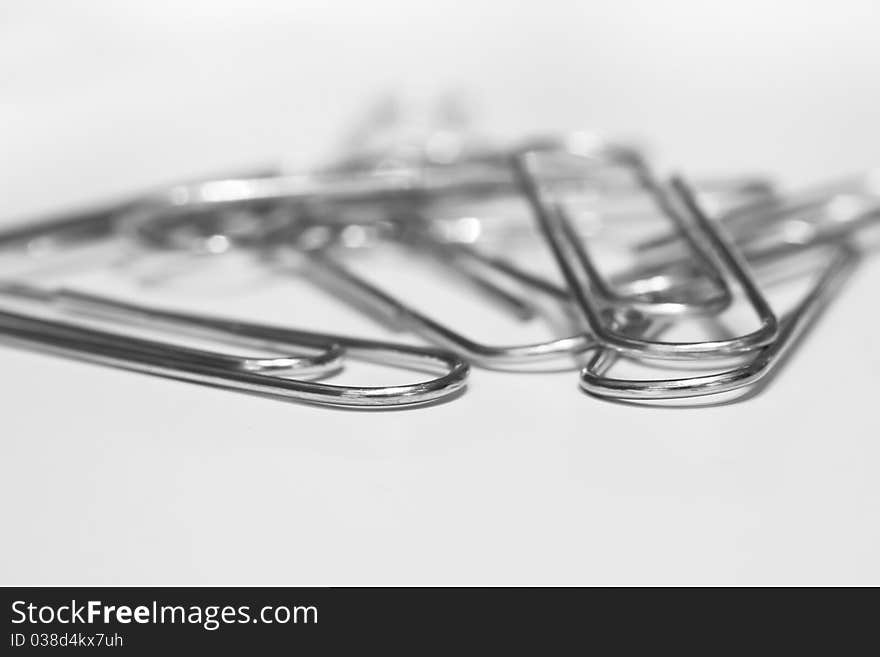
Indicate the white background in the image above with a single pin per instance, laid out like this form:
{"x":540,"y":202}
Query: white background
{"x":110,"y":477}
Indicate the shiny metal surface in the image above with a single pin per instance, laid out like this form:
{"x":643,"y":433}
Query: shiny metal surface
{"x":722,"y":254}
{"x":792,"y":326}
{"x":162,"y":359}
{"x":701,"y":272}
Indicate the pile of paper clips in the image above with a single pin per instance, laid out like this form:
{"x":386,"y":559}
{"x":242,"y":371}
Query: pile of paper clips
{"x":713,"y":247}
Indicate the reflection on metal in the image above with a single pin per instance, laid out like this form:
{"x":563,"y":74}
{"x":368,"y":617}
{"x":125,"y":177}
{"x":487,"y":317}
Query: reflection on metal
{"x":467,"y":209}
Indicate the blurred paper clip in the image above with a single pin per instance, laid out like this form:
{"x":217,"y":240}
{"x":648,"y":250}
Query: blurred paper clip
{"x":686,"y":258}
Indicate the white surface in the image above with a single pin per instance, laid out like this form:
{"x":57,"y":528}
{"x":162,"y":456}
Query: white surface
{"x":110,"y":477}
